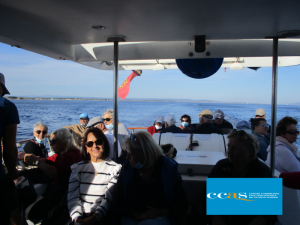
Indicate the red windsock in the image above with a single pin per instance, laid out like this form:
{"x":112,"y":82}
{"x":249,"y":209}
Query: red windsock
{"x":124,"y":88}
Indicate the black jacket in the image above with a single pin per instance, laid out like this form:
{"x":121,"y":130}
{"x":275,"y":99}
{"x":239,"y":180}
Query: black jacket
{"x":207,"y":128}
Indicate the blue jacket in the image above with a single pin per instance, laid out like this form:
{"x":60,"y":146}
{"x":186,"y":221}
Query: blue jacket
{"x":175,"y":197}
{"x":263,"y":145}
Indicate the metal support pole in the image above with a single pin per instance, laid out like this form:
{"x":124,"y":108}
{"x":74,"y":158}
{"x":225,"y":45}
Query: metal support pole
{"x":116,"y":120}
{"x":274,"y":102}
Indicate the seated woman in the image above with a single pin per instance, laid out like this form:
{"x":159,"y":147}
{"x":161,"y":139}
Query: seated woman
{"x":93,"y":180}
{"x":186,"y":125}
{"x":286,"y":159}
{"x":158,"y":125}
{"x":36,"y":145}
{"x":241,"y":162}
{"x":149,"y":187}
{"x":260,"y":128}
{"x":57,"y":167}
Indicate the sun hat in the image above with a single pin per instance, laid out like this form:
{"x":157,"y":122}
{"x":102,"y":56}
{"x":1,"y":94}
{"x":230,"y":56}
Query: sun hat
{"x":260,"y":112}
{"x":2,"y":83}
{"x":206,"y":113}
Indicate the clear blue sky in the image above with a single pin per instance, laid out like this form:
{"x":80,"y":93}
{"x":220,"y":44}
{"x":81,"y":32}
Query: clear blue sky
{"x":29,"y":73}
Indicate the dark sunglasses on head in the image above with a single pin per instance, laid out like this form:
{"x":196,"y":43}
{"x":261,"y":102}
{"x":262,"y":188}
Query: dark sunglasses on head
{"x":53,"y":141}
{"x":240,"y":133}
{"x":107,"y":119}
{"x":292,"y":132}
{"x":91,"y":143}
{"x":39,"y":131}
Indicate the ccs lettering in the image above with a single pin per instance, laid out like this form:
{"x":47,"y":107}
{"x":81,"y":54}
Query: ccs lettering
{"x":223,"y":195}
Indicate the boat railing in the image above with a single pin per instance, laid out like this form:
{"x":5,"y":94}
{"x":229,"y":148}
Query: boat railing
{"x":137,"y":128}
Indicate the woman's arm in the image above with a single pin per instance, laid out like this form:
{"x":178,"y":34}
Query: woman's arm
{"x":49,"y":170}
{"x":107,"y":202}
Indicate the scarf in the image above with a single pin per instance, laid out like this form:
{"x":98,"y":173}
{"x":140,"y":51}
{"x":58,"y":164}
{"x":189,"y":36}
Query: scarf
{"x":284,"y":141}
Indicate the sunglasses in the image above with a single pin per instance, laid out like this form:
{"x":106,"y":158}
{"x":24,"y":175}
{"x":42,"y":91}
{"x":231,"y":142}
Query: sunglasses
{"x":292,"y":132}
{"x":39,"y":131}
{"x":53,"y":141}
{"x":83,"y":118}
{"x":184,"y":120}
{"x":107,"y":119}
{"x":91,"y":143}
{"x":265,"y":125}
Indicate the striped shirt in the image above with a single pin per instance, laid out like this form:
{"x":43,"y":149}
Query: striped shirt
{"x":91,"y":187}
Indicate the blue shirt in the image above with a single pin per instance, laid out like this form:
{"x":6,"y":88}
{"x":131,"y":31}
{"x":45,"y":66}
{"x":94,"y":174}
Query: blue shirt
{"x":9,"y":115}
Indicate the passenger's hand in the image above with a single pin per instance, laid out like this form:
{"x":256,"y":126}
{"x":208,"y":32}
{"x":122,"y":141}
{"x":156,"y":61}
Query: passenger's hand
{"x":21,"y":155}
{"x":30,"y":159}
{"x":89,"y":221}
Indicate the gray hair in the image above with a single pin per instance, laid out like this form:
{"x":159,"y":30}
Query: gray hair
{"x":40,"y":124}
{"x":144,"y":142}
{"x":109,"y":111}
{"x":65,"y":135}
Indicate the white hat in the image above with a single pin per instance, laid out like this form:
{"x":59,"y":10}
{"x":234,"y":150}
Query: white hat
{"x":159,"y":119}
{"x":94,"y":121}
{"x":170,"y":117}
{"x":260,"y":112}
{"x":2,"y":83}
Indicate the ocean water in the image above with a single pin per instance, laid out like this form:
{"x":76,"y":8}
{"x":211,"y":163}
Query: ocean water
{"x":58,"y":113}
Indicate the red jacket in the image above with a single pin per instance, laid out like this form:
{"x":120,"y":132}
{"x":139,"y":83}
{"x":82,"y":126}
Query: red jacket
{"x":152,"y":130}
{"x":63,"y":164}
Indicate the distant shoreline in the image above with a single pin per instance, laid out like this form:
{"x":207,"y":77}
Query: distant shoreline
{"x":131,"y":100}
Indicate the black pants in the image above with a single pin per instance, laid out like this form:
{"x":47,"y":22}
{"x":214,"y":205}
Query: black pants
{"x":8,"y":199}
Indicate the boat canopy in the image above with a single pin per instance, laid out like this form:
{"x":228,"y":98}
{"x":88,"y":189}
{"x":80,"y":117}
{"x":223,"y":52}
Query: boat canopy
{"x":78,"y":30}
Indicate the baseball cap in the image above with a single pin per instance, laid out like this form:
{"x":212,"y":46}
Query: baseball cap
{"x":169,"y":117}
{"x":260,"y":112}
{"x":84,"y":115}
{"x":94,"y":121}
{"x":219,"y":114}
{"x":159,"y":119}
{"x":206,"y":113}
{"x":2,"y":83}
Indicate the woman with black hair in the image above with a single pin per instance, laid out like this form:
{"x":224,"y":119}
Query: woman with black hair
{"x":186,"y":125}
{"x":93,"y":180}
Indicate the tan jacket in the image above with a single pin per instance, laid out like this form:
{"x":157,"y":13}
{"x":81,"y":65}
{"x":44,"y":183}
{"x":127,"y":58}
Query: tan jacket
{"x":78,"y":132}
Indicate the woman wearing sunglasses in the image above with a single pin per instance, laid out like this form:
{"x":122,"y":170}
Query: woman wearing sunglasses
{"x":56,"y":167}
{"x":286,"y":159}
{"x":149,"y":187}
{"x":36,"y":145}
{"x":242,"y":162}
{"x":92,"y":182}
{"x":123,"y":131}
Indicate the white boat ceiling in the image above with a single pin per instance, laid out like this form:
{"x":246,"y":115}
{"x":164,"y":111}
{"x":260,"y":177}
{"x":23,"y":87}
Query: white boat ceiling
{"x":152,"y":29}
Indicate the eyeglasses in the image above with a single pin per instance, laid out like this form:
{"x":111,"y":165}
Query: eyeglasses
{"x":107,"y":119}
{"x":91,"y":143}
{"x":53,"y":141}
{"x":240,"y":133}
{"x":39,"y":131}
{"x":292,"y":131}
{"x":265,"y":125}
